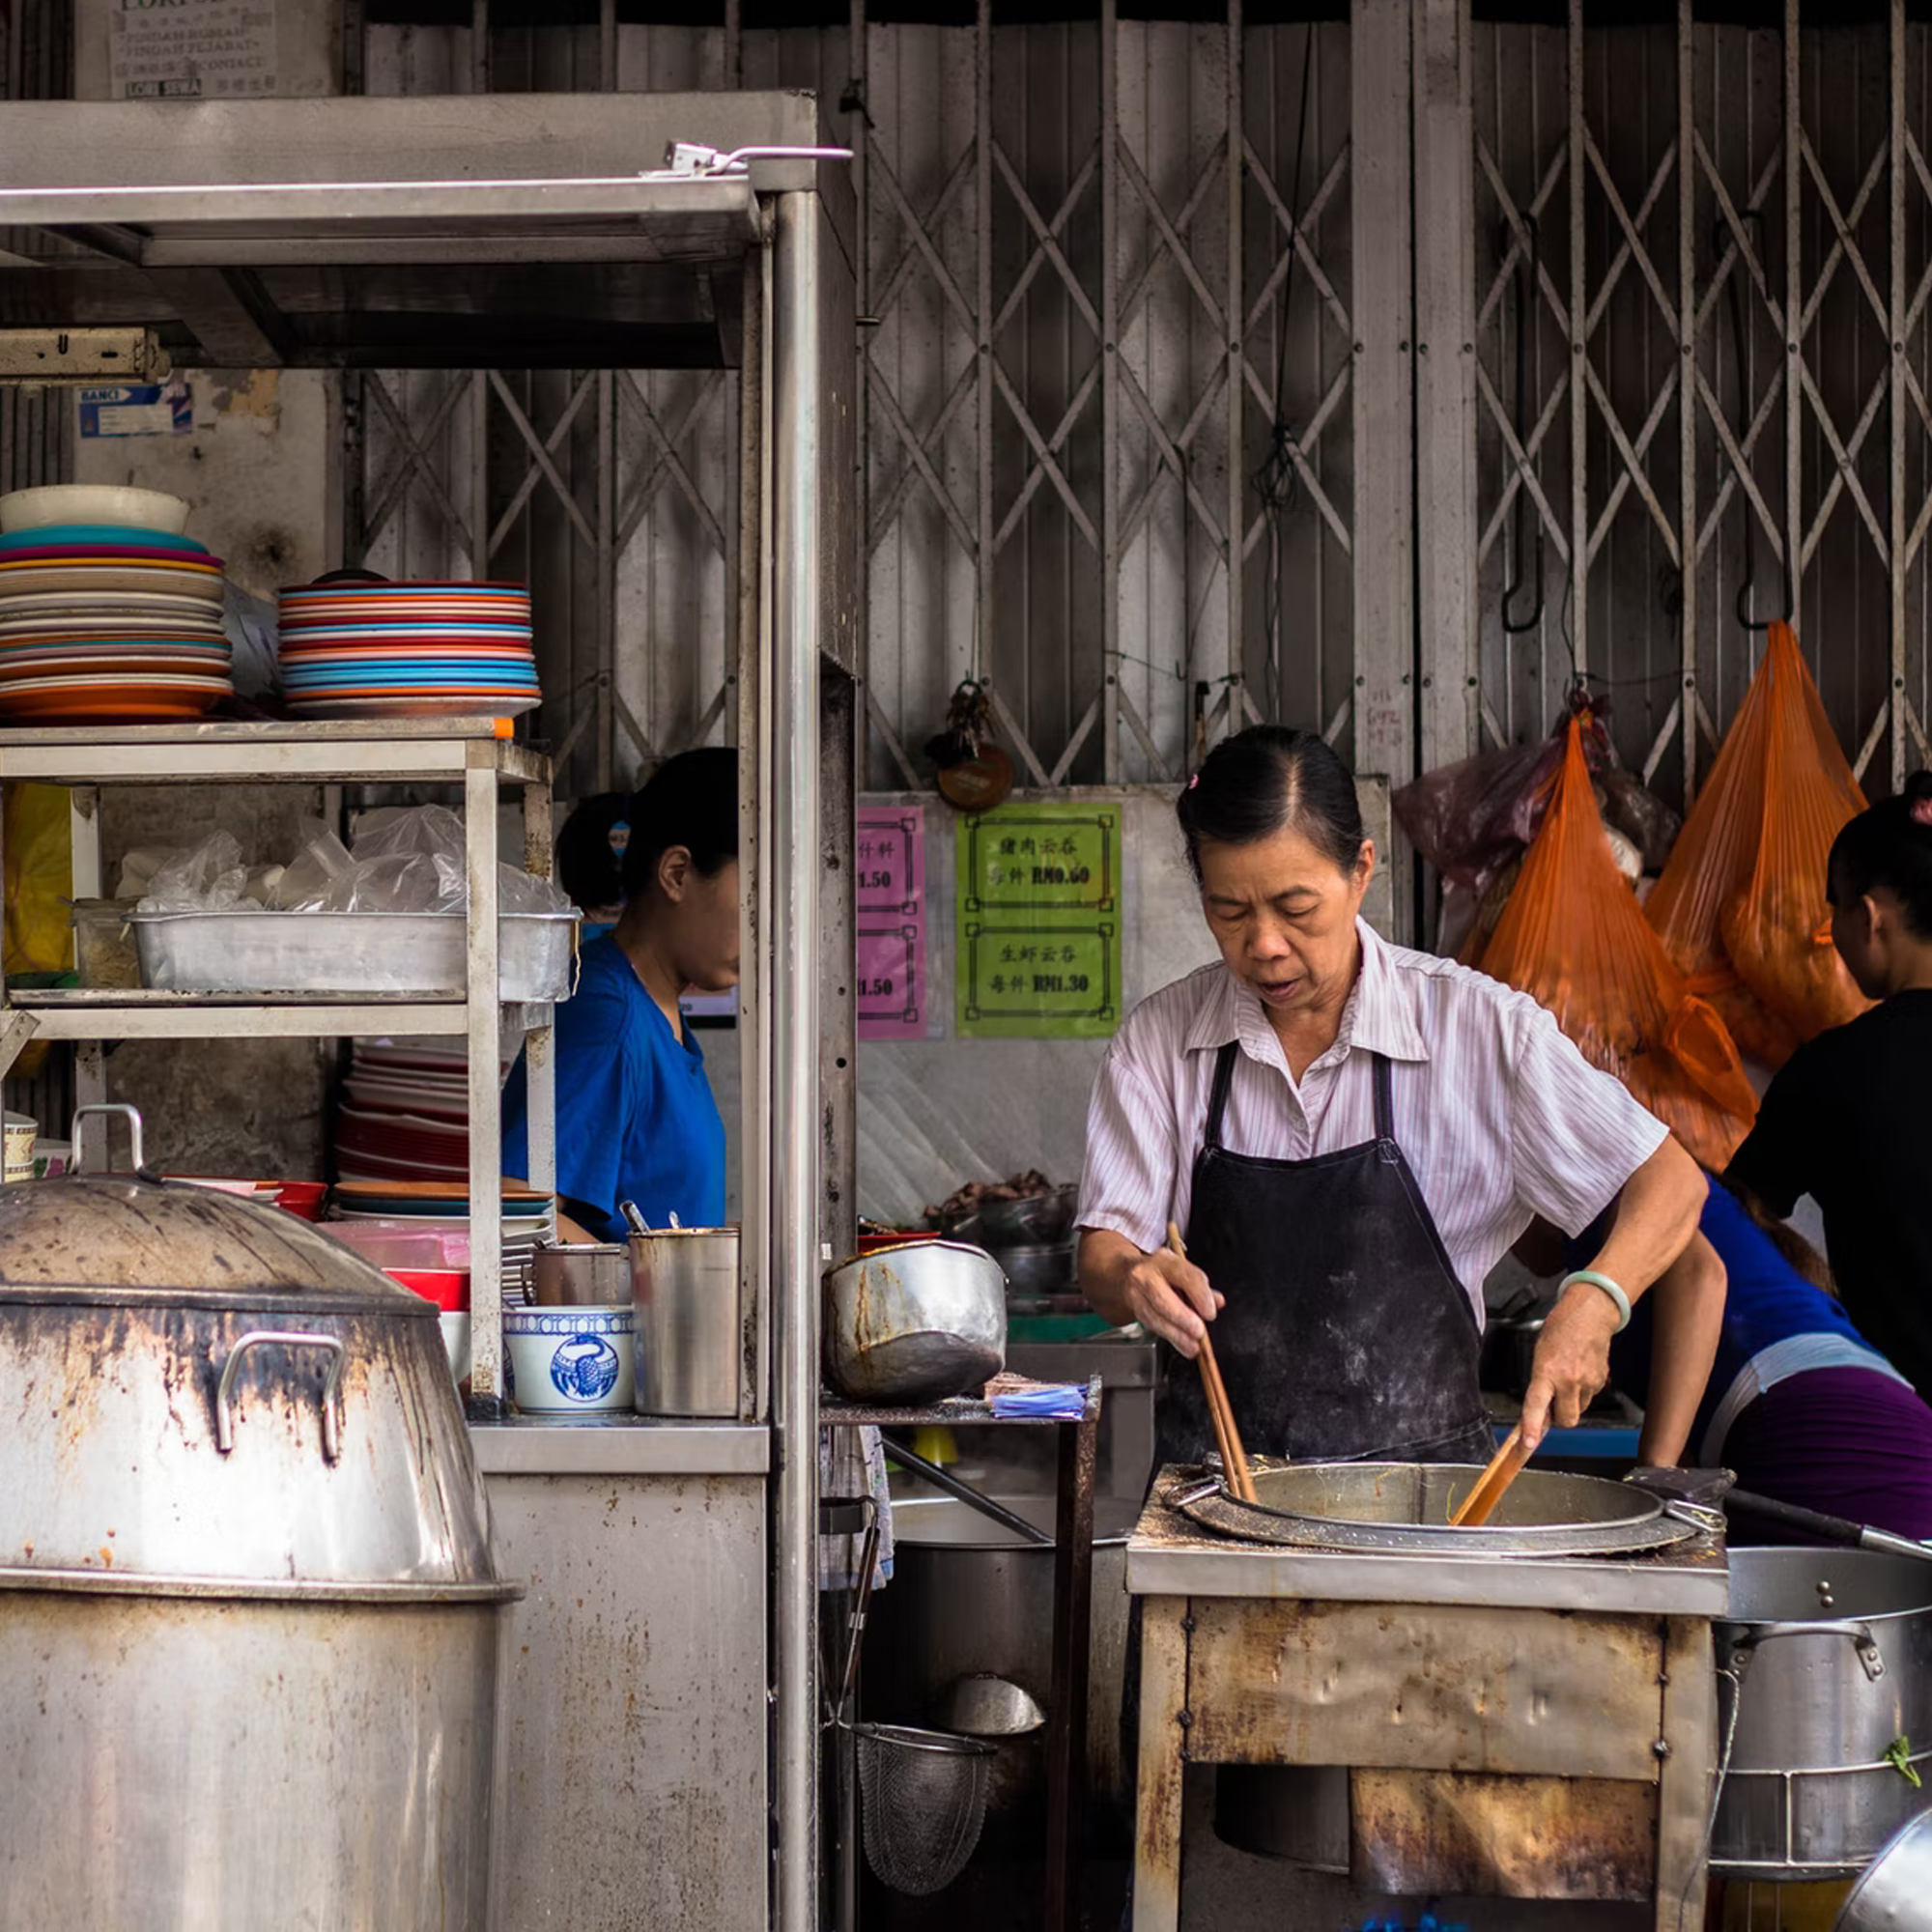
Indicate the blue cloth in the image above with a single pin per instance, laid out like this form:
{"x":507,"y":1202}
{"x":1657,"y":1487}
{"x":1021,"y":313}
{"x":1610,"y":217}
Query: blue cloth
{"x":635,"y":1117}
{"x":1767,"y":1301}
{"x":593,"y":929}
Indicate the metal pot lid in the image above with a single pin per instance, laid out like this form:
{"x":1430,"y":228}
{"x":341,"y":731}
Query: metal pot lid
{"x":1403,"y":1507}
{"x":128,"y":1236}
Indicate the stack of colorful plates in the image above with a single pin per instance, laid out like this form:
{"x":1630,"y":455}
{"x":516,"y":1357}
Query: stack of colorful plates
{"x":528,"y":1218}
{"x":408,"y":650}
{"x":102,"y":623}
{"x":405,"y":1113}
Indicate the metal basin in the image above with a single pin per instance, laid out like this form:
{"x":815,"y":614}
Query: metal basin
{"x":1811,"y":1792}
{"x":916,"y":1322}
{"x":1404,"y":1507}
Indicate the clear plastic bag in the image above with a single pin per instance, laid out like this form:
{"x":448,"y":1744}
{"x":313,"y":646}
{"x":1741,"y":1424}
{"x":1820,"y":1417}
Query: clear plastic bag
{"x":209,"y":877}
{"x":1574,"y":937}
{"x":1742,"y":906}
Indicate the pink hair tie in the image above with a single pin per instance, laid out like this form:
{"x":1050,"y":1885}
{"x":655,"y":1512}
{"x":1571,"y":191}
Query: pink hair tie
{"x":1922,"y":805}
{"x":1922,"y":810}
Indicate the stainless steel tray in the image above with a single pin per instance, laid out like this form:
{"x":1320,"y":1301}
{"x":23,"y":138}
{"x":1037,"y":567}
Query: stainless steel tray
{"x":350,"y":952}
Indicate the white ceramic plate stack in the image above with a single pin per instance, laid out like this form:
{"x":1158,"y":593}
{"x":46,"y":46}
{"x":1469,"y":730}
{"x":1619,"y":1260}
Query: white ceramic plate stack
{"x":360,"y":649}
{"x":102,"y":622}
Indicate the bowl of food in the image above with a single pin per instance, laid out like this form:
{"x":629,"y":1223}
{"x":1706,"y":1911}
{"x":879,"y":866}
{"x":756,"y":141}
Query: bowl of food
{"x":1026,"y":1211}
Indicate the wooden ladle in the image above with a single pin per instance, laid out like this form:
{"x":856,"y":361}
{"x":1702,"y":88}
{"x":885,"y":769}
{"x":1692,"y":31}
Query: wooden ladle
{"x":1504,"y":1467}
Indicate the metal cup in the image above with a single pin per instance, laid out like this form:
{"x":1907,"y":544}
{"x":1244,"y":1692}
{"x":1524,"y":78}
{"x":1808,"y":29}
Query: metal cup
{"x":689,"y":1335}
{"x":581,"y":1274}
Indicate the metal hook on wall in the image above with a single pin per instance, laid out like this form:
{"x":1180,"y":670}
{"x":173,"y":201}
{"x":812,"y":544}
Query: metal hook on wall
{"x":1734,"y":303}
{"x":1523,"y":297}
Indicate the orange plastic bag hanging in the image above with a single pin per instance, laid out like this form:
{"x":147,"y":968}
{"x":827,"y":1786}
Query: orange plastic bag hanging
{"x":1575,"y":939}
{"x":1740,"y":907}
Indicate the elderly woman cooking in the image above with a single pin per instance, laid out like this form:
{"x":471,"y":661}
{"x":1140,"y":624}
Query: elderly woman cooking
{"x":1350,"y":1135}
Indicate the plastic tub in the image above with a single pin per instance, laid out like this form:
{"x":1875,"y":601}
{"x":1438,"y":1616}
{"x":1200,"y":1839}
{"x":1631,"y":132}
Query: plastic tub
{"x":350,"y":952}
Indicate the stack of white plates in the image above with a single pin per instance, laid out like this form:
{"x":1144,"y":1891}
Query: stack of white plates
{"x":370,"y":650}
{"x":99,"y":622}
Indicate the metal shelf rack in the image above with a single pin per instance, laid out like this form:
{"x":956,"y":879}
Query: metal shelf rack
{"x":469,"y":752}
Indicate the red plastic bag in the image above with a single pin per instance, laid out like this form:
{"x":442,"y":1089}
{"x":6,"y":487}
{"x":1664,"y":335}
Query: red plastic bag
{"x":1574,"y":937}
{"x":1742,"y":908}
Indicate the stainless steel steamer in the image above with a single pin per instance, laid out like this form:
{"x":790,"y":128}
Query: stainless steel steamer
{"x":1825,"y":1666}
{"x":249,"y":1611}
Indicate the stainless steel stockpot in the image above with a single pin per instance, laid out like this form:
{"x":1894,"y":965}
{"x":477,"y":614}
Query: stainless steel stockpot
{"x":1826,"y":1660}
{"x":245,"y":1578}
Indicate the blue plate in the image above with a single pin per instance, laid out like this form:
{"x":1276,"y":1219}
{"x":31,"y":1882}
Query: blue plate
{"x":98,"y":533}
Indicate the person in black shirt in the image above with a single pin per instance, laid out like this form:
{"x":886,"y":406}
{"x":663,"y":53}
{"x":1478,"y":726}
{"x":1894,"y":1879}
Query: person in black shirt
{"x":1845,"y":1120}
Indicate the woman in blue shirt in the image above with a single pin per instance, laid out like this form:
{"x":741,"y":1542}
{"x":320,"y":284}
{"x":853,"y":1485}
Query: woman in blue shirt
{"x":635,"y":1116}
{"x":1797,"y":1401}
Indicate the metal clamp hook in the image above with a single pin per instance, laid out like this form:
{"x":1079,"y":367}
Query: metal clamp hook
{"x":224,"y":1394}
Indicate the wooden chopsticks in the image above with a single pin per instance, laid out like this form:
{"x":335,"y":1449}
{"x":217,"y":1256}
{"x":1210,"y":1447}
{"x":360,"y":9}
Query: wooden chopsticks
{"x":1227,"y":1437}
{"x":1502,"y":1472}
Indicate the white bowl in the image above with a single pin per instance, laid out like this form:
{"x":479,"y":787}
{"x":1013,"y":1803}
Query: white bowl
{"x":116,"y":503}
{"x":570,"y":1361}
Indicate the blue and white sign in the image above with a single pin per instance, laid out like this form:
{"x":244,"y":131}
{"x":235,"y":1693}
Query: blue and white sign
{"x":138,"y":409}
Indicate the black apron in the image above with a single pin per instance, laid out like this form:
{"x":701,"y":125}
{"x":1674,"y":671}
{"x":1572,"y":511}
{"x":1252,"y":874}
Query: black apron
{"x":1346,"y":1335}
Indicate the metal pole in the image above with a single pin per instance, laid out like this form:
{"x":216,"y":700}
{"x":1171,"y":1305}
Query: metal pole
{"x":789,"y":919}
{"x":606,"y":580}
{"x":859,"y":137}
{"x":483,"y":1019}
{"x":1687,"y":390}
{"x":982,"y":328}
{"x":1579,"y":357}
{"x":1794,"y":320}
{"x":1896,"y":696}
{"x":1110,"y":391}
{"x":1237,"y":388}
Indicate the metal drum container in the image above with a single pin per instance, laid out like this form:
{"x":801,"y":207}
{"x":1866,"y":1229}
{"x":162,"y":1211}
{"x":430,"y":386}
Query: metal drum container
{"x":968,"y":1597}
{"x":1826,"y":1662}
{"x":248,"y":1612}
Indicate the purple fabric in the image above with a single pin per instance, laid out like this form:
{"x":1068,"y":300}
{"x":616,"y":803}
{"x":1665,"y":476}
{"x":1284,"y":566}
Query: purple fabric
{"x":1847,"y":1442}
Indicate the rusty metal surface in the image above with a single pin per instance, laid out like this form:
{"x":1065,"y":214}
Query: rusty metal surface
{"x":915,"y":1322}
{"x":1418,"y":1832}
{"x":1688,"y":1770}
{"x":1452,"y":1688}
{"x":633,"y":1705}
{"x":1169,"y":1556}
{"x":238,"y":1766}
{"x":1164,"y":1720}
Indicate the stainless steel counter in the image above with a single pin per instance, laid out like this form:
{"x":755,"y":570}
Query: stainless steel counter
{"x":633,"y":1770}
{"x":620,"y":1445}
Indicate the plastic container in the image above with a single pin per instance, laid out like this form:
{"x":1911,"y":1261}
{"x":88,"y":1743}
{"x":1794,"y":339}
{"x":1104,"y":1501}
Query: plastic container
{"x":104,"y":953}
{"x":350,"y":952}
{"x":449,"y":1290}
{"x":390,"y":1245}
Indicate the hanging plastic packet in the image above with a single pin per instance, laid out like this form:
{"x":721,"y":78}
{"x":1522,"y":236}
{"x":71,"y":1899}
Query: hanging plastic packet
{"x":1574,"y":937}
{"x":1742,"y":907}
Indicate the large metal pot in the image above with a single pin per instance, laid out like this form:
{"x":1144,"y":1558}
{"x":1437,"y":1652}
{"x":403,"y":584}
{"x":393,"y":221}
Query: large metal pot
{"x":1827,"y":1660}
{"x":248,"y":1611}
{"x":684,"y":1283}
{"x":916,"y":1322}
{"x":968,"y":1597}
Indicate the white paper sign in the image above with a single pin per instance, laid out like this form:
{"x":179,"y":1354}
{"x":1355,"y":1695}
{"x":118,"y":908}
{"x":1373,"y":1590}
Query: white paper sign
{"x":191,"y":49}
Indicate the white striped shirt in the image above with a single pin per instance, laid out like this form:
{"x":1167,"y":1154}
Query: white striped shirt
{"x":1500,"y":1117}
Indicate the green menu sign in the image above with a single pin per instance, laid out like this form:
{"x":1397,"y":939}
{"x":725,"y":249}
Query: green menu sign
{"x":1039,"y":922}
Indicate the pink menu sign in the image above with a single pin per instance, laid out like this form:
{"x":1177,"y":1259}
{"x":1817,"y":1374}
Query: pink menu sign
{"x":890,"y":903}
